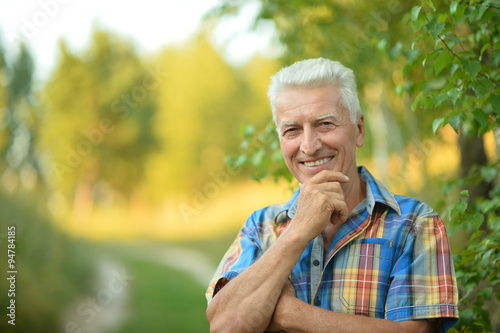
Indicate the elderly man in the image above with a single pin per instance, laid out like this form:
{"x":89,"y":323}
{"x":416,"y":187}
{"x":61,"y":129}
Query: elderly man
{"x":343,"y":254}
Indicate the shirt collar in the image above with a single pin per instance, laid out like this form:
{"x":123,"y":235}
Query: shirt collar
{"x":376,"y":192}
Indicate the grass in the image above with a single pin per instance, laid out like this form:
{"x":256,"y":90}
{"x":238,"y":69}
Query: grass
{"x":163,"y":300}
{"x":213,"y":248}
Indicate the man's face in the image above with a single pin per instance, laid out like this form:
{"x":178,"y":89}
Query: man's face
{"x":316,"y":133}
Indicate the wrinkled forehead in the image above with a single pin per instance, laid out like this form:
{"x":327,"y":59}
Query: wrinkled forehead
{"x":313,"y":102}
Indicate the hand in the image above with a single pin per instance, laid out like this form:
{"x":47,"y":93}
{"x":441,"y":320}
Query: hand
{"x":282,"y":307}
{"x":321,"y":202}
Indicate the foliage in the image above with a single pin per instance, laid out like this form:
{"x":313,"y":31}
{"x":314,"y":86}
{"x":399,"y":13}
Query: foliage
{"x":456,"y":51}
{"x":19,"y":117}
{"x":477,"y":265}
{"x":53,"y":269}
{"x":261,"y":153}
{"x":109,"y":104}
{"x":99,"y":107}
{"x":200,"y":103}
{"x":453,"y":67}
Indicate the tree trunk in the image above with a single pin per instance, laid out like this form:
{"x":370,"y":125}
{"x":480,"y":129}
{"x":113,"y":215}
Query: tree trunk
{"x":473,"y":154}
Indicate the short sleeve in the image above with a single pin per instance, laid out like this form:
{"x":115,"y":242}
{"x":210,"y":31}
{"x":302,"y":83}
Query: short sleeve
{"x":423,"y":278}
{"x":242,"y":253}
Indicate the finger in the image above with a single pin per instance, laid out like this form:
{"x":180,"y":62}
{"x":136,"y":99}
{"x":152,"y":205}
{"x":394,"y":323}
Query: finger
{"x":328,"y":187}
{"x":329,"y":176}
{"x":340,"y":211}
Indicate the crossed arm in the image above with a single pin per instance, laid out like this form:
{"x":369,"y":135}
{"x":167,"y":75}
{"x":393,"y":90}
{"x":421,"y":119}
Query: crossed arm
{"x":261,"y":298}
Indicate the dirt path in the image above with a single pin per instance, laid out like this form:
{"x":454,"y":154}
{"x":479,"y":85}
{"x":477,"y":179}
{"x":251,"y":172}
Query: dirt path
{"x":190,"y":261}
{"x":106,"y":308}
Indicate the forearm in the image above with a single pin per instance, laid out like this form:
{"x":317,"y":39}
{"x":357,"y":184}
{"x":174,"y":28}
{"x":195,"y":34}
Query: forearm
{"x":297,"y":316}
{"x":246,"y":303}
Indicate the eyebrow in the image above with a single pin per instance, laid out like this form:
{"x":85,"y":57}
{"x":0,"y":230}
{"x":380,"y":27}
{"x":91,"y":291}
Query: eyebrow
{"x":323,"y":117}
{"x":288,"y":123}
{"x":326,"y":116}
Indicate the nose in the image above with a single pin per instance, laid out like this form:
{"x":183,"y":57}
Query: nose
{"x":311,"y":142}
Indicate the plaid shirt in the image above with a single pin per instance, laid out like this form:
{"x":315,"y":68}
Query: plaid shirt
{"x":390,"y":259}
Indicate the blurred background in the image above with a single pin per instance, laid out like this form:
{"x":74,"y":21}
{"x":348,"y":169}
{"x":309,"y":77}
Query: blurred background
{"x":129,"y":136}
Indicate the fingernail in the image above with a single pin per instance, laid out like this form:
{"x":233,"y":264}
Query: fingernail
{"x":346,"y":177}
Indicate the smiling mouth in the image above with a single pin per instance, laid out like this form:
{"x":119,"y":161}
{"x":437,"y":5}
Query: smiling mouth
{"x":318,"y":162}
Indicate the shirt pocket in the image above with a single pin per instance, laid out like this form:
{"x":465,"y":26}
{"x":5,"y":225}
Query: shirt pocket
{"x":365,"y":276}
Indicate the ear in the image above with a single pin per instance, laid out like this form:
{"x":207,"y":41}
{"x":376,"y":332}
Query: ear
{"x":360,"y":132}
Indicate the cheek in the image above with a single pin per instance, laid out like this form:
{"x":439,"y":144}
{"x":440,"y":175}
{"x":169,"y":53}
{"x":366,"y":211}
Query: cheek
{"x":286,"y":148}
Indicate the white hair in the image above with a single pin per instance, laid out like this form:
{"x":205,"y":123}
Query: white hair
{"x":319,"y":72}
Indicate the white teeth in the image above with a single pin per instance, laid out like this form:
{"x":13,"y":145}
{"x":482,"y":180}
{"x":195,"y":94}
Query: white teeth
{"x":318,"y":162}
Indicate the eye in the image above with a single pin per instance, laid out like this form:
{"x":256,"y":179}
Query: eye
{"x":326,"y":124}
{"x":289,"y":131}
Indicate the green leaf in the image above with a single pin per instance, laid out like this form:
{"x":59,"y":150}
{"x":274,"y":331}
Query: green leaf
{"x":465,"y":193}
{"x":417,"y":100}
{"x":477,"y":234}
{"x":417,"y":26}
{"x":430,"y":4}
{"x":249,"y":131}
{"x":470,"y":14}
{"x":435,"y":28}
{"x":485,"y":47}
{"x":414,"y":13}
{"x":454,"y":94}
{"x":417,"y":21}
{"x":453,"y":7}
{"x":439,"y":98}
{"x":476,"y":221}
{"x":240,"y":160}
{"x":428,"y":102}
{"x":482,"y":87}
{"x":482,"y":8}
{"x":455,"y":122}
{"x":495,"y":56}
{"x":454,"y":68}
{"x":452,"y":40}
{"x":399,"y":90}
{"x":257,"y":158}
{"x":437,"y":123}
{"x":411,"y":55}
{"x":395,"y":51}
{"x":444,"y":60}
{"x":459,"y":12}
{"x":480,"y":117}
{"x":381,"y":45}
{"x":471,"y":67}
{"x":460,"y":207}
{"x":495,"y":103}
{"x":488,"y":291}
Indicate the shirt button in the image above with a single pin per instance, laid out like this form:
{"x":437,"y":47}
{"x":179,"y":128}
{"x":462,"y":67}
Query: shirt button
{"x":316,"y":262}
{"x":317,"y":302}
